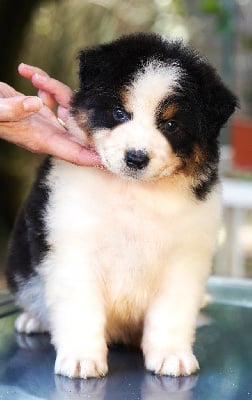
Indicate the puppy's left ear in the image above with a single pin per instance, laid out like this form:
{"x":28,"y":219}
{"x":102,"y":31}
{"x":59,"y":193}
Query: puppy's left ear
{"x":220,"y":103}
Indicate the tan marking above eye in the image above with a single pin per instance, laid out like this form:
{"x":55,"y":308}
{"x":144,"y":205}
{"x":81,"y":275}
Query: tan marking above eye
{"x":170,"y":111}
{"x":125,"y":98}
{"x":124,"y":94}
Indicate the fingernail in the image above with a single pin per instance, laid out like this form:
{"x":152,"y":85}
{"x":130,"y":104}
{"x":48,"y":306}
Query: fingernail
{"x":41,"y":78}
{"x":32,"y":104}
{"x":24,"y":65}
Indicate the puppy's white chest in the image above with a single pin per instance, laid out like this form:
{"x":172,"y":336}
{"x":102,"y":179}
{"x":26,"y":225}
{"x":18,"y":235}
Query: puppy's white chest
{"x":124,"y":230}
{"x":123,"y":226}
{"x":134,"y":237}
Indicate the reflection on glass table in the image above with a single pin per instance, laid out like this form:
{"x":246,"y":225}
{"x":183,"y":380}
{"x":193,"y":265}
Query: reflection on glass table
{"x":223,"y":347}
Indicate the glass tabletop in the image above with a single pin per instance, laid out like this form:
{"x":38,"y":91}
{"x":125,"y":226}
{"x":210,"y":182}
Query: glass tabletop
{"x":223,"y":347}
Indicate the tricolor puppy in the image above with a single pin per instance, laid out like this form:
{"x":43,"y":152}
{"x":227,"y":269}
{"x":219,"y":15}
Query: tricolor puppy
{"x":121,"y":254}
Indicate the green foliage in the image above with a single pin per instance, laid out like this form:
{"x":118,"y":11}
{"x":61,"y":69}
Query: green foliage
{"x":60,"y":30}
{"x":210,"y":6}
{"x":222,"y":11}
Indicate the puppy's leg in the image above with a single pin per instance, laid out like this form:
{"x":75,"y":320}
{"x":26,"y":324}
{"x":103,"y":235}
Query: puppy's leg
{"x":171,"y":319}
{"x":76,"y":311}
{"x":27,"y":323}
{"x":29,"y":296}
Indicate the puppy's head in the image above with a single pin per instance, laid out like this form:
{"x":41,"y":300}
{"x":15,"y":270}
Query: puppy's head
{"x":151,"y":108}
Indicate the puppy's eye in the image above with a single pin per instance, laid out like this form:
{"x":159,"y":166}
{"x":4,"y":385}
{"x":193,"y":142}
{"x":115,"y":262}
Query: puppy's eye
{"x":120,"y":115}
{"x":171,"y":126}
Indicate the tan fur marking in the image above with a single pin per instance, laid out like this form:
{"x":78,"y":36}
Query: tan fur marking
{"x":81,"y":119}
{"x":125,"y":95}
{"x":170,"y":111}
{"x":192,"y":164}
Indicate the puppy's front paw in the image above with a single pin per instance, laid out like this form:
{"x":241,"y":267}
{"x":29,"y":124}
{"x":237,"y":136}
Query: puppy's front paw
{"x":179,"y":363}
{"x":26,"y":323}
{"x":81,"y":367}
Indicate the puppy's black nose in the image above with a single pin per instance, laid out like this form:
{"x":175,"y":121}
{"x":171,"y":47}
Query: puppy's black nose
{"x":136,"y":159}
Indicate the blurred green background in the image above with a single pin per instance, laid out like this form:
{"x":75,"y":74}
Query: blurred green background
{"x":49,"y":34}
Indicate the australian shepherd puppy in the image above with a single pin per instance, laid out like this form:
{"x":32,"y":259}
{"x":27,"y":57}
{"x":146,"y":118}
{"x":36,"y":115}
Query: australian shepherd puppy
{"x":121,"y":254}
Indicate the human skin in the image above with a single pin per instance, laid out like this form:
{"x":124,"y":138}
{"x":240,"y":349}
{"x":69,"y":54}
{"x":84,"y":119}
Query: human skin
{"x":30,"y":122}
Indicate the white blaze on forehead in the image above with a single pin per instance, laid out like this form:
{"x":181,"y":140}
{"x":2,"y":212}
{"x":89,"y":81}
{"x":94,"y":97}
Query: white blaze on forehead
{"x":152,"y":84}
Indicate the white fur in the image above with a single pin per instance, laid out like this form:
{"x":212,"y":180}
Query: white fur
{"x":26,"y":323}
{"x":125,"y":253}
{"x":30,"y":297}
{"x":129,"y":257}
{"x":153,"y":83}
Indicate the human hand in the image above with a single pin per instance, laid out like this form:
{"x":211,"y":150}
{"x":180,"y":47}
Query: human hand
{"x":16,"y":106}
{"x":51,"y":91}
{"x":26,"y":121}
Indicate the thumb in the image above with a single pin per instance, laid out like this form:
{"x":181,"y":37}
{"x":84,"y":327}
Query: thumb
{"x":18,"y":107}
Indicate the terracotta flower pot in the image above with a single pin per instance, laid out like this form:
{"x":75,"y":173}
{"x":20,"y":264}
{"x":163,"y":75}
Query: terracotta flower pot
{"x":241,"y":141}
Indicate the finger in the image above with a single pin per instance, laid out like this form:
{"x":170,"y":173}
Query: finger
{"x":19,"y":107}
{"x":6,"y":90}
{"x":76,"y":154}
{"x":62,"y":146}
{"x":48,"y":114}
{"x":39,"y":135}
{"x":41,"y":80}
{"x":47,"y":99}
{"x":63,"y":113}
{"x":27,"y":71}
{"x":61,"y":92}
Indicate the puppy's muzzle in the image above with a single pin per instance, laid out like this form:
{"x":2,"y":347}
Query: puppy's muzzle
{"x":136,"y":159}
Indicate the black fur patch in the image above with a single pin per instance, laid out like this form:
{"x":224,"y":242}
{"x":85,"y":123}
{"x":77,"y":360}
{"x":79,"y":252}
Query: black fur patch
{"x":204,"y":103}
{"x":107,"y":69}
{"x":191,"y":141}
{"x":28,"y":243}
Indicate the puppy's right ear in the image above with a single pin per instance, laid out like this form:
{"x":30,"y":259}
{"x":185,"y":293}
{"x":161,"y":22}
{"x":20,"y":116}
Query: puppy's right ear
{"x":89,"y":72}
{"x":91,"y":65}
{"x":220,"y":103}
